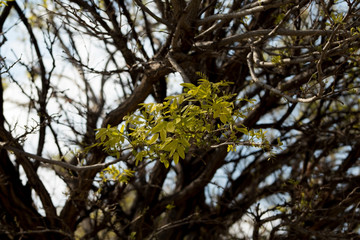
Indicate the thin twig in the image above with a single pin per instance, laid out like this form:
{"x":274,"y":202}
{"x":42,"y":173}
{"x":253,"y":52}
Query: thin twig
{"x":270,"y":88}
{"x":240,"y":14}
{"x":178,"y":68}
{"x":173,"y":225}
{"x":143,"y":7}
{"x":246,"y":143}
{"x":60,"y":163}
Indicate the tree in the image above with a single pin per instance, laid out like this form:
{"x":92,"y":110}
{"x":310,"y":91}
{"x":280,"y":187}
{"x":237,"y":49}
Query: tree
{"x":261,"y":139}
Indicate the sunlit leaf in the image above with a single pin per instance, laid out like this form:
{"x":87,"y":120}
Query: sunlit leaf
{"x":153,"y":139}
{"x":176,"y":158}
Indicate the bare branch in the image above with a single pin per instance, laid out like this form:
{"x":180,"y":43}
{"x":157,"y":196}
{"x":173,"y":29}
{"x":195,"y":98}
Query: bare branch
{"x":250,"y":57}
{"x":178,"y":68}
{"x":147,"y":10}
{"x":66,"y":165}
{"x":155,"y":69}
{"x":242,"y":13}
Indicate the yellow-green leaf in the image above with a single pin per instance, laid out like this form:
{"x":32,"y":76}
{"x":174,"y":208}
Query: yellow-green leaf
{"x":243,"y":130}
{"x":170,"y":146}
{"x":223,"y":118}
{"x":159,"y":127}
{"x":164,"y":160}
{"x":180,"y":150}
{"x":163,"y":135}
{"x":122,"y":128}
{"x":153,"y":107}
{"x":188,"y":85}
{"x":153,"y":139}
{"x":170,"y":206}
{"x":170,"y":127}
{"x":176,"y":158}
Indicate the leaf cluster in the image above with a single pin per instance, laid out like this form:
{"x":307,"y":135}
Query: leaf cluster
{"x":203,"y":116}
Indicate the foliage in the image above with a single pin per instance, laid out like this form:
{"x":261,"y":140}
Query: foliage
{"x":202,"y":117}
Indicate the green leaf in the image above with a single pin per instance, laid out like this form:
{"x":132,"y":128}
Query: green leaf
{"x":100,"y":133}
{"x":176,"y":158}
{"x":163,"y":135}
{"x":139,"y":157}
{"x":180,"y":149}
{"x":164,"y":160}
{"x":243,"y":130}
{"x":133,"y":235}
{"x":170,"y":127}
{"x":172,"y":151}
{"x":102,"y":138}
{"x":159,"y":127}
{"x":153,"y":107}
{"x":184,"y":142}
{"x":188,"y":85}
{"x":153,"y":139}
{"x":177,"y":120}
{"x":122,"y":128}
{"x":170,"y":206}
{"x":223,"y":118}
{"x":171,"y":145}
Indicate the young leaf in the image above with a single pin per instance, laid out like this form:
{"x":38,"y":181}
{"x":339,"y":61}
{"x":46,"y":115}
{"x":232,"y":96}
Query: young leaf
{"x":153,"y":139}
{"x":188,"y":85}
{"x":163,"y":135}
{"x":170,"y":127}
{"x":159,"y":127}
{"x":176,"y":158}
{"x":180,"y":149}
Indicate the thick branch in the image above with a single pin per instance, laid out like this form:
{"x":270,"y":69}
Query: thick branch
{"x":156,"y":69}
